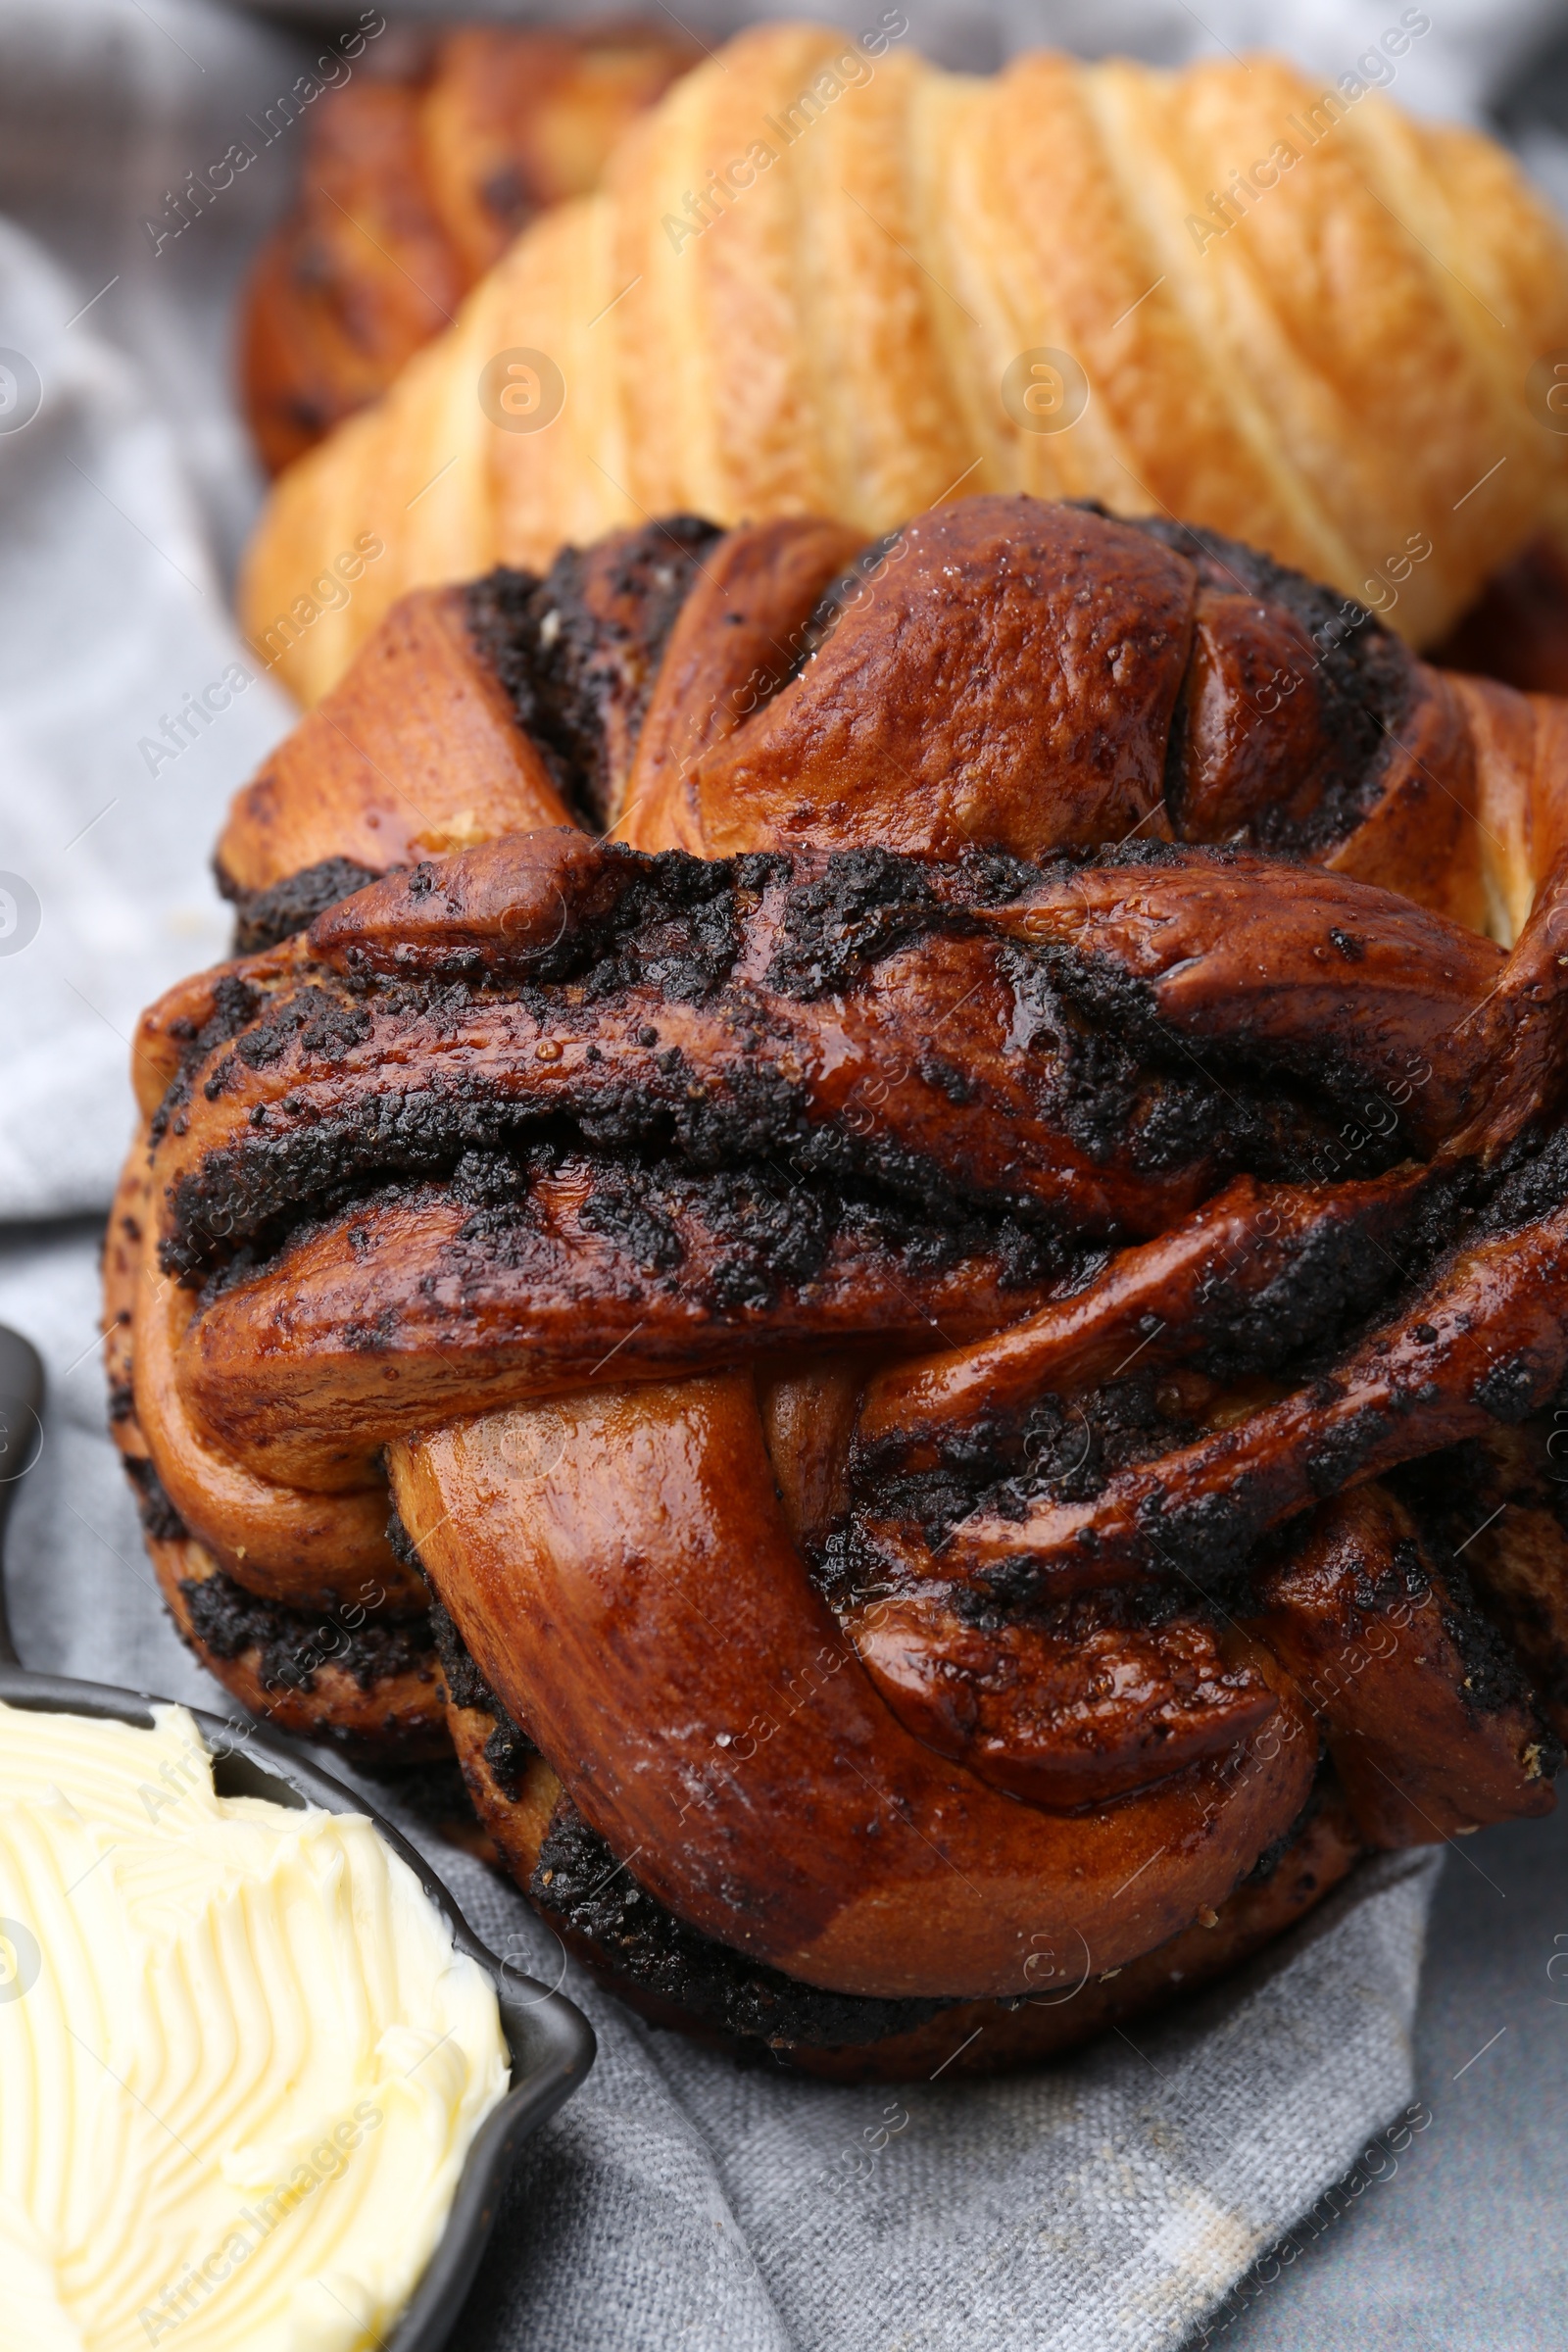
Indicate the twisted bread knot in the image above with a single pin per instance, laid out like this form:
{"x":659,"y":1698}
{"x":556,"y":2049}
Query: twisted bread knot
{"x":935,"y":1338}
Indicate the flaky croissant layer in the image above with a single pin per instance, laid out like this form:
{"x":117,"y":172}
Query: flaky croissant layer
{"x":822,"y":280}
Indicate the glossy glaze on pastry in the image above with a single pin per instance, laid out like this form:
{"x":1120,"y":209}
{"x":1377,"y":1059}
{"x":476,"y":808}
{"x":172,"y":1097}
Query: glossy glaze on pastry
{"x":932,"y":1322}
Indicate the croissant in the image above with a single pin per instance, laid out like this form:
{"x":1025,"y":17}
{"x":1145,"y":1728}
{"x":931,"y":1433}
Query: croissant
{"x":415,"y":177}
{"x":825,"y":281}
{"x":946,"y":1233}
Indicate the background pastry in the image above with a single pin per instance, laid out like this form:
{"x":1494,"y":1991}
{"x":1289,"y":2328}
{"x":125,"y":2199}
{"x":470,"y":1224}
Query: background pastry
{"x":1304,"y":319}
{"x":414,"y":180}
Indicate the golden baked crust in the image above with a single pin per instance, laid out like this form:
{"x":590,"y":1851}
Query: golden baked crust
{"x":935,"y":1325}
{"x":674,"y":1981}
{"x":287,"y":1634}
{"x":1339,"y":377}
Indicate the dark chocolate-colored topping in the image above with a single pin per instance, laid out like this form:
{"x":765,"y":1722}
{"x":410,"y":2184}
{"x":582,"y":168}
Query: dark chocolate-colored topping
{"x":401,"y":1543}
{"x":584,"y":641}
{"x":587,"y":1896}
{"x":291,"y":1645}
{"x":159,"y":1517}
{"x":264,"y":918}
{"x":675,"y":926}
{"x":508,"y":1749}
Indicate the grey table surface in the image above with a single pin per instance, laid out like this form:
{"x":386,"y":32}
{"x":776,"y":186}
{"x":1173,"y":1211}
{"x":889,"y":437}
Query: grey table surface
{"x":1464,"y":2244}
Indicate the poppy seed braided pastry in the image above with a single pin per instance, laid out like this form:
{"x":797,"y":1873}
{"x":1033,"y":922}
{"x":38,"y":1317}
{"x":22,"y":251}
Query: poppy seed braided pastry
{"x":917,"y":1173}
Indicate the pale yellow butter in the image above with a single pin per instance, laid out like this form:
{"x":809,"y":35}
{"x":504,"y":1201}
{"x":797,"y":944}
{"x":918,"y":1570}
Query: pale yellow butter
{"x":240,"y":2061}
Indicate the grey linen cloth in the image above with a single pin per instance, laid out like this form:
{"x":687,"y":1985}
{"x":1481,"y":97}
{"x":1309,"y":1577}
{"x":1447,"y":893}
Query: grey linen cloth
{"x":680,"y":2201}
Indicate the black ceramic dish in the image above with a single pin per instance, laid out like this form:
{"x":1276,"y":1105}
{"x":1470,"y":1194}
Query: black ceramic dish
{"x":551,"y":2041}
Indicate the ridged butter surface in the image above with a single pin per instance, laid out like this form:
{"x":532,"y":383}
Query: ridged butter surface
{"x":240,"y":2061}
